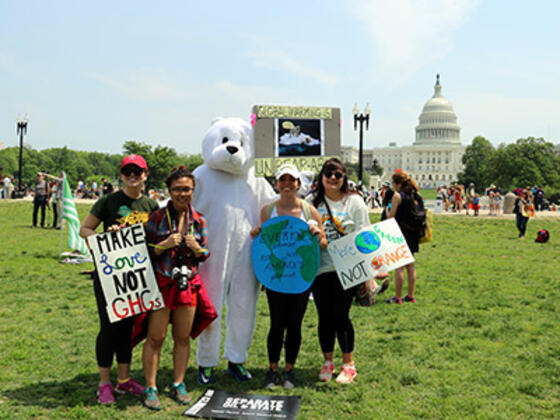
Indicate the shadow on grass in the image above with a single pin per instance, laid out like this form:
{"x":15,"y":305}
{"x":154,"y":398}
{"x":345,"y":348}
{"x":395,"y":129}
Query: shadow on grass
{"x":81,"y":390}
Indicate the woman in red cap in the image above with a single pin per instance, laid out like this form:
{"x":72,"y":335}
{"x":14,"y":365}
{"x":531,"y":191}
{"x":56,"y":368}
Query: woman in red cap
{"x":123,"y":208}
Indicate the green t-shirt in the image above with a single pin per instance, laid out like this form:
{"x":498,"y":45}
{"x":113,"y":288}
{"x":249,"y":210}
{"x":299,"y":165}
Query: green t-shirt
{"x":118,"y":208}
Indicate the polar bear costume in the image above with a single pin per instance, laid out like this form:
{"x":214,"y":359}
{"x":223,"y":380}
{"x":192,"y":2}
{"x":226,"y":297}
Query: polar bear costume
{"x":230,"y":197}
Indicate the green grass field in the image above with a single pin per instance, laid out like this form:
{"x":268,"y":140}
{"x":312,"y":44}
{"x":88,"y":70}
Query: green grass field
{"x":483,"y":340}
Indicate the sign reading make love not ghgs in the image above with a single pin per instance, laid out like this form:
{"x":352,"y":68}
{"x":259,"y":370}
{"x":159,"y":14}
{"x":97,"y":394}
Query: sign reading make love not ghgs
{"x":125,"y":272}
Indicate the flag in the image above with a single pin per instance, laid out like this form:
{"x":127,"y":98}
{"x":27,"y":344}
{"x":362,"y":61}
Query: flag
{"x":70,"y":213}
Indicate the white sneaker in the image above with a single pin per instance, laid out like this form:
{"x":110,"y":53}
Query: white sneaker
{"x":347,"y":374}
{"x":326,"y":371}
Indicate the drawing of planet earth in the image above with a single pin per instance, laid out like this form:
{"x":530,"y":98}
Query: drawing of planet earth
{"x":367,"y":242}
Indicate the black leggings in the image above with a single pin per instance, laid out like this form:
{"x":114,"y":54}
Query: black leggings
{"x":521,"y":222}
{"x":286,"y":314}
{"x":113,"y":338}
{"x":39,"y":202}
{"x":333,"y":306}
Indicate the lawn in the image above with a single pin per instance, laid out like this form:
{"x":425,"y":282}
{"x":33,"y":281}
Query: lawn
{"x":483,"y":340}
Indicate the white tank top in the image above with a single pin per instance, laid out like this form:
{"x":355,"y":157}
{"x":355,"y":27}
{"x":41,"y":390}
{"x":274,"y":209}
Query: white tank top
{"x":275,"y":213}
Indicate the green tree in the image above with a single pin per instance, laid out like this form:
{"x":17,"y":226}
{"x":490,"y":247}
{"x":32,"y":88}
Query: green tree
{"x":191,"y":162}
{"x":527,"y":162}
{"x":137,"y":148}
{"x":477,"y":160}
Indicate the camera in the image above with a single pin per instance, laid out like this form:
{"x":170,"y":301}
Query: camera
{"x":181,"y":273}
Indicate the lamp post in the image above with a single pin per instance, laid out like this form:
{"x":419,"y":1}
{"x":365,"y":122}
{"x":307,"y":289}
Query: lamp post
{"x":21,"y":130}
{"x":361,"y":118}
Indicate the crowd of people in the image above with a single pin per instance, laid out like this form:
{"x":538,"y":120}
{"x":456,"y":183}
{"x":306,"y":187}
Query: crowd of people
{"x":178,"y":235}
{"x":178,"y":232}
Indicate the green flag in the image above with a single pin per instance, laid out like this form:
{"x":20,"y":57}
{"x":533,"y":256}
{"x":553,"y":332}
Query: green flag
{"x":70,"y":213}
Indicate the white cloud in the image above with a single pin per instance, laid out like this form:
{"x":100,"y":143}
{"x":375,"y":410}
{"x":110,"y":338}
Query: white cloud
{"x":410,"y":33}
{"x":158,"y":86}
{"x":277,"y":60}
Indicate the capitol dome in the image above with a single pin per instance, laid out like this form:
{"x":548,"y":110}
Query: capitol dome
{"x":438,"y":121}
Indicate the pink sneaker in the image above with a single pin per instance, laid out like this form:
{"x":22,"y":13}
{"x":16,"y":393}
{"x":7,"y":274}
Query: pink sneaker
{"x":347,"y":374}
{"x":130,"y":387}
{"x":105,"y":394}
{"x":326,"y":371}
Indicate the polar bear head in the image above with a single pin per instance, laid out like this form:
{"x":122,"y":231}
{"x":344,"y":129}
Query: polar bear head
{"x":228,"y":146}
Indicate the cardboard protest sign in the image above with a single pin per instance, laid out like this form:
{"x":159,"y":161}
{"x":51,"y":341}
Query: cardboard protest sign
{"x":285,"y":255}
{"x":301,"y":135}
{"x":360,"y":255}
{"x":226,"y":405}
{"x":125,"y":272}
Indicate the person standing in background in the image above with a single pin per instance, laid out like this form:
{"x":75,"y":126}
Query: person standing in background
{"x":55,"y":196}
{"x":40,"y":199}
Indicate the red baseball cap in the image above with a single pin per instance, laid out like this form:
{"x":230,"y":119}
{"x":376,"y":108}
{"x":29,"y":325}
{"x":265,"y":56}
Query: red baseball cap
{"x":134,"y":160}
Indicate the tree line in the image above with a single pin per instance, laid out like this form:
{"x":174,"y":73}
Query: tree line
{"x":91,"y":166}
{"x":527,"y":162}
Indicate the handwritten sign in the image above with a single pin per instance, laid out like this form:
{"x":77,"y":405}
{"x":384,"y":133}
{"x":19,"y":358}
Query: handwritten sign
{"x":269,"y":166}
{"x":301,"y":112}
{"x":125,"y":272}
{"x":360,"y":255}
{"x":285,"y":255}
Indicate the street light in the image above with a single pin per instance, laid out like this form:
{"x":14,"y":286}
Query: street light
{"x":21,"y":130}
{"x":361,"y":118}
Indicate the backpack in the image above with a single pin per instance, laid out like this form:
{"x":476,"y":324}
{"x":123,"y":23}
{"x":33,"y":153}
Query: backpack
{"x":542,"y":236}
{"x":414,"y":212}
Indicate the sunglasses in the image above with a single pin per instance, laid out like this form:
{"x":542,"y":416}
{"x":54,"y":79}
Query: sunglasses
{"x":336,"y":174}
{"x":178,"y":190}
{"x":132,"y":169}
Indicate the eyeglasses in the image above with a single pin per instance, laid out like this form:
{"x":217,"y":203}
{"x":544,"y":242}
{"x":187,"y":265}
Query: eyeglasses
{"x":132,"y":169}
{"x":178,"y":190}
{"x":336,"y":174}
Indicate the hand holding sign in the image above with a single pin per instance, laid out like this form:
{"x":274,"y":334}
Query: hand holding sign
{"x":361,"y":255}
{"x":125,"y":272}
{"x":285,"y":255}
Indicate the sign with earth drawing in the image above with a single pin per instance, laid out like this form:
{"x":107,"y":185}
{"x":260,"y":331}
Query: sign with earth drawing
{"x":360,"y":255}
{"x":285,"y":255}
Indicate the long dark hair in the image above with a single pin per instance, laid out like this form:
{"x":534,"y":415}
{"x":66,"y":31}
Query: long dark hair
{"x":332,"y":164}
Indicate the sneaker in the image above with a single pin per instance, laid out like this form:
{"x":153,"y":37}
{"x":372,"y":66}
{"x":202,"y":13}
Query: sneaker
{"x":129,"y":387}
{"x":347,"y":374}
{"x":205,"y":376}
{"x":326,"y":371}
{"x":105,"y":394}
{"x":271,"y":380}
{"x":289,"y":379}
{"x":409,"y":299}
{"x":239,"y":372}
{"x":394,"y":299}
{"x":151,"y":399}
{"x":179,"y":393}
{"x":382,"y":287}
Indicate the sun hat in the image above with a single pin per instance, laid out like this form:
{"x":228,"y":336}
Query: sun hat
{"x":134,"y":160}
{"x":287,"y":168}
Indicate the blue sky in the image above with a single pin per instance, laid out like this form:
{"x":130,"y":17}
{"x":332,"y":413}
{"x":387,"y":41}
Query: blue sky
{"x":92,"y":75}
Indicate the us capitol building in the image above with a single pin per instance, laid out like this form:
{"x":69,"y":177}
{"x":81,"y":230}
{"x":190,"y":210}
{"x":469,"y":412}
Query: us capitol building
{"x":433,"y":159}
